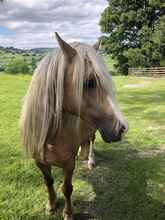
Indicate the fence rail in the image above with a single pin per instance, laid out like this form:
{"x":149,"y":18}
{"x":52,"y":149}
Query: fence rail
{"x":152,"y":71}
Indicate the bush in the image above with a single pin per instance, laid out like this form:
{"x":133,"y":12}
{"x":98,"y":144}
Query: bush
{"x":18,"y":65}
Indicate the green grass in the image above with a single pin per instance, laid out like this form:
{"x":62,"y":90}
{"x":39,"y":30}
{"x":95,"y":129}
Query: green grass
{"x":128,"y":182}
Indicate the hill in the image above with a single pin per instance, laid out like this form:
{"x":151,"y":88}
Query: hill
{"x":31,"y":56}
{"x":33,"y":50}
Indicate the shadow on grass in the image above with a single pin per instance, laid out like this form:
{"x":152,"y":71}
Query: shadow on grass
{"x":120,"y":182}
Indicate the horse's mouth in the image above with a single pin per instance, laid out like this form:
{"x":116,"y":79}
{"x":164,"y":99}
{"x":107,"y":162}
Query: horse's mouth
{"x":109,"y":136}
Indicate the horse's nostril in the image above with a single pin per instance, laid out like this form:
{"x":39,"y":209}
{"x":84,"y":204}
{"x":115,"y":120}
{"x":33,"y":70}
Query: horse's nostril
{"x":123,"y":129}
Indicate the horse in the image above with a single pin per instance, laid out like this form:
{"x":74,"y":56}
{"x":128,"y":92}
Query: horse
{"x":71,"y":95}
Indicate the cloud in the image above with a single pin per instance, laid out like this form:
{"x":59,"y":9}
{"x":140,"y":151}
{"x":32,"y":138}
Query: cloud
{"x":33,"y":22}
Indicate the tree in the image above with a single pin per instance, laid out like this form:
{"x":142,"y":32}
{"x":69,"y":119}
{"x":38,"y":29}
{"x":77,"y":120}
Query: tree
{"x":18,"y":65}
{"x":134,"y":32}
{"x":33,"y":63}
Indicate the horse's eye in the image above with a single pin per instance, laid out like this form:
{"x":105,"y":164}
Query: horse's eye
{"x":90,"y":84}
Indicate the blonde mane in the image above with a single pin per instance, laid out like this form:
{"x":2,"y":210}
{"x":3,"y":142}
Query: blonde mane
{"x":43,"y":103}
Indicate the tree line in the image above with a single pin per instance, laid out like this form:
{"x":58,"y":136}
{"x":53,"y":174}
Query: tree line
{"x":134,"y":33}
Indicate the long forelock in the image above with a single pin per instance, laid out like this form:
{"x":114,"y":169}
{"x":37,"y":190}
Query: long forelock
{"x":100,"y":72}
{"x":99,"y":68}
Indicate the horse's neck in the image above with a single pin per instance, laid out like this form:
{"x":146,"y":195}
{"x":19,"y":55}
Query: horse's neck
{"x":63,"y":145}
{"x":73,"y":131}
{"x":76,"y":128}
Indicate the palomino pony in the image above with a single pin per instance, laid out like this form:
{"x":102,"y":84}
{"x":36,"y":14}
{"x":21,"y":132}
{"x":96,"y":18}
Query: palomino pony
{"x":70,"y":96}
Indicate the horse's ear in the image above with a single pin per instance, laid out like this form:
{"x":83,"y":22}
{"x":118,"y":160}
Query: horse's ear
{"x":68,"y":51}
{"x":97,"y":45}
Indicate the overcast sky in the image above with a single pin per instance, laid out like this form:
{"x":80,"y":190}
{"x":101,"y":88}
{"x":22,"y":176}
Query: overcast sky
{"x":31,"y":23}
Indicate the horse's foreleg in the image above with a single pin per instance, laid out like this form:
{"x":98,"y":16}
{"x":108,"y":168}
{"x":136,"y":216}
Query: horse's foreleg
{"x":84,"y":151}
{"x":46,"y":171}
{"x":91,"y":156}
{"x":67,"y":189}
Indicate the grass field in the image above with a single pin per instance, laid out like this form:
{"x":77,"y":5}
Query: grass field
{"x":128,"y":182}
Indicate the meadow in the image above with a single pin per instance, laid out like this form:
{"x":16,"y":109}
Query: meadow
{"x":128,"y":182}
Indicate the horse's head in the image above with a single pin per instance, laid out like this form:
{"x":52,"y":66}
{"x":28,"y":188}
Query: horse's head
{"x":88,"y":90}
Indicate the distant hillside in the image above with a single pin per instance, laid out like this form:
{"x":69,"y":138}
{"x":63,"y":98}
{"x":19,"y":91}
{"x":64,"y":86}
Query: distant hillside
{"x":42,"y":50}
{"x":30,"y":56}
{"x":19,"y":51}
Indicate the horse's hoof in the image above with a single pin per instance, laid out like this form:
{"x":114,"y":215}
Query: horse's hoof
{"x":85,"y":163}
{"x":91,"y":163}
{"x":88,"y":165}
{"x":91,"y":166}
{"x":68,"y":217}
{"x":50,"y":209}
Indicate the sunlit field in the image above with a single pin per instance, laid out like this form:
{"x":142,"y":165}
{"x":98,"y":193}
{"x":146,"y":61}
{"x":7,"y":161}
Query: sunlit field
{"x":128,"y":181}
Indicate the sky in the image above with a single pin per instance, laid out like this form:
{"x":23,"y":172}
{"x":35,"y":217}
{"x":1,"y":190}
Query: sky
{"x":32,"y":23}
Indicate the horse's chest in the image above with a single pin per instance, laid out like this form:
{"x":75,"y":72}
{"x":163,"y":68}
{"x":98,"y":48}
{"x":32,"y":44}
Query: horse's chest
{"x":59,"y":154}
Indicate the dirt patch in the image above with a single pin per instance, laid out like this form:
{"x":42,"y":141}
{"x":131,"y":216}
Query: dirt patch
{"x":153,"y":152}
{"x":137,"y":85}
{"x":148,"y":153}
{"x":154,"y":128}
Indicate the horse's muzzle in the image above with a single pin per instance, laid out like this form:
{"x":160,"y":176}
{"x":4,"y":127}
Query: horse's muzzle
{"x":113,"y":135}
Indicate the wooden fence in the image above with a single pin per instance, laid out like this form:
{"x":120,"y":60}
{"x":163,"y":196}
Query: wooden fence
{"x":152,"y":71}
